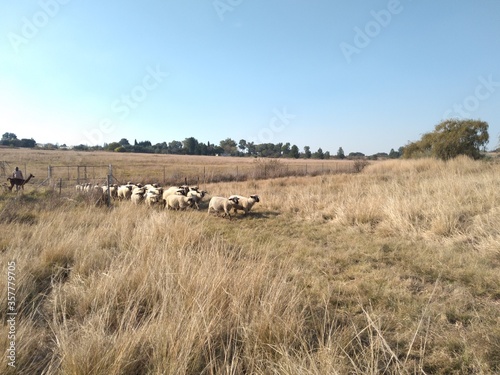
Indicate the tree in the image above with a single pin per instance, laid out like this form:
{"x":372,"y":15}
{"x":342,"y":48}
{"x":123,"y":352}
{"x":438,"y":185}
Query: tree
{"x":319,"y":154}
{"x":124,"y":142}
{"x":294,"y":152}
{"x":451,"y":138}
{"x":394,"y":154}
{"x":9,"y":137}
{"x":175,"y":147}
{"x":28,"y":143}
{"x":113,"y":146}
{"x":229,"y":146}
{"x":285,"y":150}
{"x":307,"y":152}
{"x":340,"y":153}
{"x":242,"y":145}
{"x":190,"y":145}
{"x":251,"y":148}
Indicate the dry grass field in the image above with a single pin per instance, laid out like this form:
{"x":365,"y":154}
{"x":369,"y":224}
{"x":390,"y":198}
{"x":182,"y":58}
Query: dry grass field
{"x":73,"y":166}
{"x":394,"y":270}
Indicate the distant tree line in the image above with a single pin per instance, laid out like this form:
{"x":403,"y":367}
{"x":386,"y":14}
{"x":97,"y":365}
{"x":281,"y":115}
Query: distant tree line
{"x":229,"y":147}
{"x":191,"y":146}
{"x":10,"y":139}
{"x":449,"y":139}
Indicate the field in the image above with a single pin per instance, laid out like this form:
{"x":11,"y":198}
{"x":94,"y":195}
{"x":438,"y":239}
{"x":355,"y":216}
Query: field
{"x":72,"y":167}
{"x":393,"y":270}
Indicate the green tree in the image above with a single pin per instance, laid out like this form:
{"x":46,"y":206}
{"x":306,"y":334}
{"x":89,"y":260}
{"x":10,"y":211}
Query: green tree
{"x":242,"y":145}
{"x":190,"y":145}
{"x":28,"y":143}
{"x":394,"y":154}
{"x":319,"y":154}
{"x":229,"y":146}
{"x":285,"y":150}
{"x":340,"y":153}
{"x":251,"y":148}
{"x":175,"y":147}
{"x":451,"y":138}
{"x":294,"y":152}
{"x":9,"y":137}
{"x":113,"y":146}
{"x":307,"y":152}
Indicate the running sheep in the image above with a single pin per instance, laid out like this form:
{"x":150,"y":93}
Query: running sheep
{"x":178,"y":202}
{"x":245,"y":204}
{"x":137,"y":195}
{"x":196,"y":196}
{"x":219,"y":204}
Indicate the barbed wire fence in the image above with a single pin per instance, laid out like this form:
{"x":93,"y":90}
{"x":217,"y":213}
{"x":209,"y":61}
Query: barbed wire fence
{"x":62,"y":177}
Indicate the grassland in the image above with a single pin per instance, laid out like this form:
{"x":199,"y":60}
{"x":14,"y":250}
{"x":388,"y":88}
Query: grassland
{"x":73,"y":167}
{"x":394,"y":270}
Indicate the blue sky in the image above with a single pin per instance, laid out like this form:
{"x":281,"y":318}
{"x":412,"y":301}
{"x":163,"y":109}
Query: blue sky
{"x":366,"y":76}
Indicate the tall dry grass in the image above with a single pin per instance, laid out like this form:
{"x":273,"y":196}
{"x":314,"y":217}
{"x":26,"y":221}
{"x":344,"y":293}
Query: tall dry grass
{"x":393,"y":270}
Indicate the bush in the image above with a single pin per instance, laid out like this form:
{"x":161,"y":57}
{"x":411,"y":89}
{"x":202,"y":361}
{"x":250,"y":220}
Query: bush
{"x":451,"y":138}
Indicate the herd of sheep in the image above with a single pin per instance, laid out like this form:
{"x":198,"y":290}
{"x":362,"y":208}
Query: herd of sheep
{"x":172,"y":198}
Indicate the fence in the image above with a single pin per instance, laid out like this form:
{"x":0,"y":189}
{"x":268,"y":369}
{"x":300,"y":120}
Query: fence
{"x":65,"y":176}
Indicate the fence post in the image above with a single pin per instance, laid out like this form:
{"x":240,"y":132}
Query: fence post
{"x":49,"y":174}
{"x":60,"y":186}
{"x":109,"y":185}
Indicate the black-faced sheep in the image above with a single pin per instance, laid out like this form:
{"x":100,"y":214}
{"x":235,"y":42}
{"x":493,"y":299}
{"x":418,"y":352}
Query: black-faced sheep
{"x":137,"y":195}
{"x":245,"y":203}
{"x":125,"y":192}
{"x":197,"y":197}
{"x":178,"y":202}
{"x":219,"y":204}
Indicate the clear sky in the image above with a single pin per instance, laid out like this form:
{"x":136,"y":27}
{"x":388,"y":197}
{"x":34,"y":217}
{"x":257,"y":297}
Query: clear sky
{"x":366,"y":76}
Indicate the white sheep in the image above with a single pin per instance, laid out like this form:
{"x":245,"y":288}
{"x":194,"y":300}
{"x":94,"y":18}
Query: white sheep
{"x":197,"y":197}
{"x":137,"y":195}
{"x":245,"y":204}
{"x":151,"y":197}
{"x":222,"y":204}
{"x":124,"y":192}
{"x":173,"y":190}
{"x":178,"y":202}
{"x":113,"y":190}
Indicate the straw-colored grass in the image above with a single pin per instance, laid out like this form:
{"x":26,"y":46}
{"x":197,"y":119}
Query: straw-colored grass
{"x":394,"y":270}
